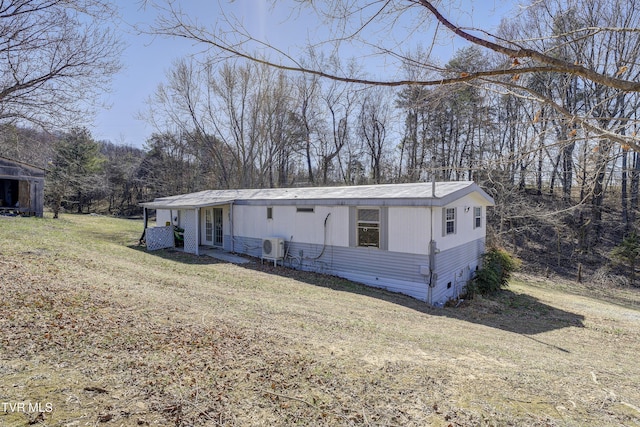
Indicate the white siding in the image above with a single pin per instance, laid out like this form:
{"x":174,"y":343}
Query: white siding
{"x":409,"y":230}
{"x":394,"y":271}
{"x":180,"y":214}
{"x":308,"y":227}
{"x":226,"y":220}
{"x":162,"y":217}
{"x":456,"y":266}
{"x":465,"y":231}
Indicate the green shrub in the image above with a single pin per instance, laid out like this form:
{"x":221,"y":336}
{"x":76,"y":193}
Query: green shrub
{"x":497,"y":268}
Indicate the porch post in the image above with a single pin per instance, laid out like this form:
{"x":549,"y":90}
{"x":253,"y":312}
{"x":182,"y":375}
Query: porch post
{"x":233,"y":246}
{"x":197,"y":231}
{"x":145,"y":216}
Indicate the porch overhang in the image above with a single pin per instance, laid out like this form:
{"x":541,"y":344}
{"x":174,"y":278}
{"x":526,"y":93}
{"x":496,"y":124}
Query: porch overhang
{"x":183,"y":204}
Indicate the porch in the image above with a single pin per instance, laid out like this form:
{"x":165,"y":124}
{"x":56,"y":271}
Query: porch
{"x":222,"y":255}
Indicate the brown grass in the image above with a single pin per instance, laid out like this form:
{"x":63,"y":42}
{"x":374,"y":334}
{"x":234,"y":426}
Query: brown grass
{"x":109,"y":334}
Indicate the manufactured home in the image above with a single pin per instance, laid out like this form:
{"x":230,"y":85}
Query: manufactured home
{"x":21,"y":188}
{"x":421,"y":239}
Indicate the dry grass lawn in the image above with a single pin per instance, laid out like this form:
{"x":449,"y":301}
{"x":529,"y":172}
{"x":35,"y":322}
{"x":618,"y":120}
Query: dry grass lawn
{"x":96,"y":331}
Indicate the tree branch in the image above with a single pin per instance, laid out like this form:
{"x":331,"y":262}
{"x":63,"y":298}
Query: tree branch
{"x":555,"y":64}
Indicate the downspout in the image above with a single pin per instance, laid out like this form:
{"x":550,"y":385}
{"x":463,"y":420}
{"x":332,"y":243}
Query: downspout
{"x":433,"y":276}
{"x":145,"y":217}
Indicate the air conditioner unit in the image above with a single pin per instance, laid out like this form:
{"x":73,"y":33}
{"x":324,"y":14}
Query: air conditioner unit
{"x":273,"y":248}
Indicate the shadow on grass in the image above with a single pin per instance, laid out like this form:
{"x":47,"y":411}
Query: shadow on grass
{"x":510,"y":311}
{"x":178,"y":255}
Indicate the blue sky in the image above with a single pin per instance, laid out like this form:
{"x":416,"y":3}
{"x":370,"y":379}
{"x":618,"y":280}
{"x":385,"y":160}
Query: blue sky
{"x":147,"y":59}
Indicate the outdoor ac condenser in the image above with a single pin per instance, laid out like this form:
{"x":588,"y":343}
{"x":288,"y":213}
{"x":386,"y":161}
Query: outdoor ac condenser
{"x":273,"y":248}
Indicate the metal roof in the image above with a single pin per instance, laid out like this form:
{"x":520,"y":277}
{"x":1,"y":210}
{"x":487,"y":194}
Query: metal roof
{"x":414,"y":194}
{"x":19,"y":170}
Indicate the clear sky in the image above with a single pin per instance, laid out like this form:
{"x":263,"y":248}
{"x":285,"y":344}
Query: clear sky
{"x":147,"y":59}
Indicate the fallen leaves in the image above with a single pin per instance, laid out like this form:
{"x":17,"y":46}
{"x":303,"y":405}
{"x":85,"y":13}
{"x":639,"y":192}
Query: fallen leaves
{"x":165,"y":345}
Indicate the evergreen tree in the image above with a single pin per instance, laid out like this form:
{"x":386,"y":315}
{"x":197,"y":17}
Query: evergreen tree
{"x":73,"y":173}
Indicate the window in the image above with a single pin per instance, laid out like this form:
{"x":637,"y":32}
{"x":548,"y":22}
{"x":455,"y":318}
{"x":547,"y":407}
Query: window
{"x":368,"y":228}
{"x":208,"y":225}
{"x":304,"y":209}
{"x":450,"y":221}
{"x":269,"y":212}
{"x":477,"y":217}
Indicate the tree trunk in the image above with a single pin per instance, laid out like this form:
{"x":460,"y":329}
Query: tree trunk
{"x":624,"y":196}
{"x":635,"y":187}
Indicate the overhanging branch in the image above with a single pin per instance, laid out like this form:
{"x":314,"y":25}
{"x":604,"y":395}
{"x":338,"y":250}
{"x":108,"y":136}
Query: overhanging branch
{"x":554,"y":64}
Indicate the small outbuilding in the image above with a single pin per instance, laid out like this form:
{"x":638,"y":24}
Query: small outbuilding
{"x":21,"y":188}
{"x":421,"y":239}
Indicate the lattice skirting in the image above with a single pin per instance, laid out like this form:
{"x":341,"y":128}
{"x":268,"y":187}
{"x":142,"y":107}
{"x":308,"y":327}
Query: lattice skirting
{"x":190,"y":224}
{"x":159,"y":238}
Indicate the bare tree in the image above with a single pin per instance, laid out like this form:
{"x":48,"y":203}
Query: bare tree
{"x":26,"y":144}
{"x":57,"y":58}
{"x":338,"y":102}
{"x":373,"y":123}
{"x":308,"y":113}
{"x":354,"y":23}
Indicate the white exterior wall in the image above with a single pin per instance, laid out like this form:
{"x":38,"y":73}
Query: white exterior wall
{"x":465,"y":231}
{"x":226,"y":220}
{"x":162,"y":217}
{"x":308,"y":227}
{"x":409,"y":230}
{"x":169,"y":215}
{"x":180,"y":214}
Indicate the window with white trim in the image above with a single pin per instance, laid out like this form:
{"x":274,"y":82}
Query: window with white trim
{"x":477,"y":217}
{"x":368,"y":227}
{"x":450,"y":221}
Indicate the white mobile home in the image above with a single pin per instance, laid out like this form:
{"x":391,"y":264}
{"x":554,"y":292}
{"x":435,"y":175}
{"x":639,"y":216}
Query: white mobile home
{"x":422,"y":239}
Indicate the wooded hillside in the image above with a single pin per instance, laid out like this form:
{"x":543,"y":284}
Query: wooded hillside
{"x":552,"y":232}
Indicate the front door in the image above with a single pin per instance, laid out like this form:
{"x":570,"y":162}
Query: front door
{"x":217,"y":226}
{"x":212,"y":227}
{"x":207,"y":229}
